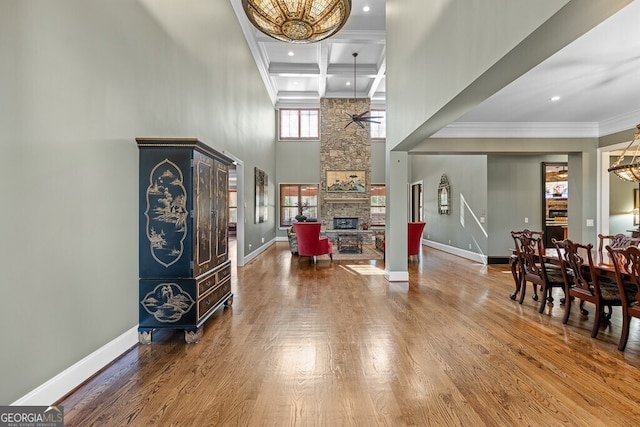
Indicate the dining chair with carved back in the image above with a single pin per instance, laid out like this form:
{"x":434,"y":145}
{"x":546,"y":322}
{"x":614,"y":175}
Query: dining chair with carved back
{"x":626,"y":262}
{"x":615,"y":241}
{"x":516,"y":262}
{"x":534,"y":269}
{"x":583,"y":282}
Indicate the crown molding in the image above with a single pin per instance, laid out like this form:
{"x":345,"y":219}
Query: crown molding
{"x":518,"y":130}
{"x":620,"y":123}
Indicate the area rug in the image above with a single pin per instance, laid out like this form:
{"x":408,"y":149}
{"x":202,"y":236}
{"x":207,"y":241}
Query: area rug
{"x":368,"y":252}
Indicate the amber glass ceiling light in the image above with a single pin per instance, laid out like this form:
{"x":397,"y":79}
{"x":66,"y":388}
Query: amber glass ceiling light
{"x":629,"y":171}
{"x":298,"y":21}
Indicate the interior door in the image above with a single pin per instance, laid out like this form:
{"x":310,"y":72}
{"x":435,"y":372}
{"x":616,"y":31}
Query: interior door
{"x":555,"y":202}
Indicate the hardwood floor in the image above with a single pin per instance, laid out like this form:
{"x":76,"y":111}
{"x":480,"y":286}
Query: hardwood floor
{"x":335,"y":344}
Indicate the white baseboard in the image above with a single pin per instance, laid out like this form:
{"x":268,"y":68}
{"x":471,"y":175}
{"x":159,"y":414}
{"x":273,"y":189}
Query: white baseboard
{"x":66,"y":381}
{"x":474,"y":256}
{"x":258,"y":251}
{"x":397,"y":276}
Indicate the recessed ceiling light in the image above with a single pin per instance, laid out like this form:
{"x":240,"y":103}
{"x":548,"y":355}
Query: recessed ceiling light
{"x":290,"y":53}
{"x":366,"y":9}
{"x":555,"y":98}
{"x":348,"y":83}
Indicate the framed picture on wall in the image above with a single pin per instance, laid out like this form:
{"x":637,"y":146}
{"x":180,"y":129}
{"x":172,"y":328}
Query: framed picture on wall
{"x":262,"y":196}
{"x":346,"y":181}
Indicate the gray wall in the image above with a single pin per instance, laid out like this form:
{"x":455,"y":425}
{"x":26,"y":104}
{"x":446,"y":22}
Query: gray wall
{"x":620,"y":192}
{"x":620,"y":204}
{"x":467,"y":175}
{"x":79,"y":81}
{"x":515,"y":193}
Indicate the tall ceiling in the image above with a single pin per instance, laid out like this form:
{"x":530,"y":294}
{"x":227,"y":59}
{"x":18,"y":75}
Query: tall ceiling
{"x":326,"y":68}
{"x":597,"y":77}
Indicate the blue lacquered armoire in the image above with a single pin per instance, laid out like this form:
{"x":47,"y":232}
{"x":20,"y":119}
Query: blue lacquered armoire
{"x":184,"y":266}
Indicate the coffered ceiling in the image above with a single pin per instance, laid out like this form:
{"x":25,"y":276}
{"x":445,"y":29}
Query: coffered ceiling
{"x":596,"y":78}
{"x":301,"y":74}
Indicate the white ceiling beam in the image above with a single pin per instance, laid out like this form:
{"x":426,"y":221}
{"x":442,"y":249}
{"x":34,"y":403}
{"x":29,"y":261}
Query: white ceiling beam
{"x":346,"y":70}
{"x":292,"y":94}
{"x":285,"y":69}
{"x":324,"y":50}
{"x":382,"y":68}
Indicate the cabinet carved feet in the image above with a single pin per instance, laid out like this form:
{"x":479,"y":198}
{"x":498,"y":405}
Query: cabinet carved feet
{"x":144,"y":336}
{"x":192,"y":337}
{"x":229,"y":302}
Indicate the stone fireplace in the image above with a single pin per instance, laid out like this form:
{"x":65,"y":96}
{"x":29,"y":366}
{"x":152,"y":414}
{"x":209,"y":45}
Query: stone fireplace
{"x":344,"y":149}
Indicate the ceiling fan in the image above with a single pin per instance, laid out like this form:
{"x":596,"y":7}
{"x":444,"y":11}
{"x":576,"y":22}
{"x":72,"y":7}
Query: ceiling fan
{"x":362,"y":118}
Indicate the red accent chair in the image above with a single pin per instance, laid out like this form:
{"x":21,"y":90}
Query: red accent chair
{"x":414,"y":237}
{"x":309,"y":241}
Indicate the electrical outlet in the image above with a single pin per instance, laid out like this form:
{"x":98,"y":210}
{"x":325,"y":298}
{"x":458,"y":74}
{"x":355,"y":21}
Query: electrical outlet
{"x":250,"y":245}
{"x":263,"y":240}
{"x":526,"y":220}
{"x":469,"y":245}
{"x":449,"y":241}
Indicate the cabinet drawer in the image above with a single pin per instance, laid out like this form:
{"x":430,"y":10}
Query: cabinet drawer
{"x":213,"y":299}
{"x":205,"y":284}
{"x":224,"y":272}
{"x":213,"y":278}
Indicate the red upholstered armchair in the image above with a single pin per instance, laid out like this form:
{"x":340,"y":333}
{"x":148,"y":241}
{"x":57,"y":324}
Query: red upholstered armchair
{"x":414,"y":237}
{"x":309,"y":241}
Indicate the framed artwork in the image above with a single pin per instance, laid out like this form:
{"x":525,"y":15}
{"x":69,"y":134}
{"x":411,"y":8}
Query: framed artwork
{"x":346,"y":181}
{"x":444,"y":196}
{"x":262,"y":196}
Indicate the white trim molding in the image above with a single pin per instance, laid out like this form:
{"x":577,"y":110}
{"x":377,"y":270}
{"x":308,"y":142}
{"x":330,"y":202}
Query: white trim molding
{"x":396,"y":276}
{"x":473,"y":256}
{"x":66,"y":381}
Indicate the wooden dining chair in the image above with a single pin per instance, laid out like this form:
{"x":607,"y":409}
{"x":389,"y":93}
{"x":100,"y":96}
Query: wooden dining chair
{"x":616,"y":241}
{"x":626,"y":262}
{"x":516,"y":262}
{"x":535,"y":270}
{"x":583,"y":282}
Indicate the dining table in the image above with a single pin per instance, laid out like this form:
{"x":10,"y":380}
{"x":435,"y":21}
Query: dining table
{"x":601,"y":262}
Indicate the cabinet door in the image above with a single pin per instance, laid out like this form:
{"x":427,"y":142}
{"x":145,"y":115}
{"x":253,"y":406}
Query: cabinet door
{"x":165,"y":202}
{"x":204,"y":214}
{"x":222,"y":212}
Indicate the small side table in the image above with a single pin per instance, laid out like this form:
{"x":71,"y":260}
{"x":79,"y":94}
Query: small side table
{"x":349,"y":242}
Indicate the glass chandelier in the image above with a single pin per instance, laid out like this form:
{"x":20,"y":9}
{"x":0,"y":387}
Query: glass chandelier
{"x":298,"y":21}
{"x":628,"y":171}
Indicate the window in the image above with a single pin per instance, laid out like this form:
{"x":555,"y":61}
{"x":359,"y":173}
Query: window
{"x":298,"y":199}
{"x":378,"y":204}
{"x":233,"y":207}
{"x":379,"y":130}
{"x":299,"y":124}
